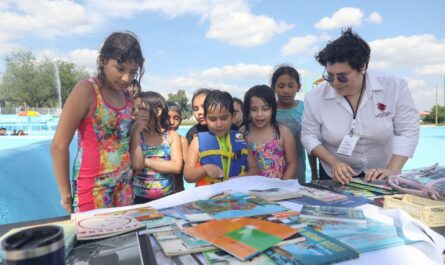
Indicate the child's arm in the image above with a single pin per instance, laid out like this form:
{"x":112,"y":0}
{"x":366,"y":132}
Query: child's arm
{"x":252,"y":164}
{"x":172,"y":166}
{"x":77,"y":106}
{"x":185,"y":146}
{"x":136,"y":155}
{"x":193,"y":173}
{"x":290,"y":153}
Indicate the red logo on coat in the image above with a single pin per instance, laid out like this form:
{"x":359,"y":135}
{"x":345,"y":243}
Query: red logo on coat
{"x":381,"y":106}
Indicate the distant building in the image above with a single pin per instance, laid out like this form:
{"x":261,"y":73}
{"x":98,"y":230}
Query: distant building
{"x":423,"y":114}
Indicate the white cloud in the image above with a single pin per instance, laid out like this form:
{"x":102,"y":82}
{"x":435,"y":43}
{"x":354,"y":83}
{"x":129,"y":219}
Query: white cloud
{"x":304,"y":44}
{"x":374,"y":18}
{"x":433,"y":69}
{"x":422,"y":51}
{"x":84,"y":58}
{"x":344,"y":17}
{"x":233,"y":22}
{"x":424,"y":94}
{"x":237,"y":72}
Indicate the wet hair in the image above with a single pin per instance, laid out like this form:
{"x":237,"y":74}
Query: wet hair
{"x":267,"y":94}
{"x":218,"y":98}
{"x":348,"y":48}
{"x":122,"y":47}
{"x":200,"y":91}
{"x":284,"y":70}
{"x":154,"y":101}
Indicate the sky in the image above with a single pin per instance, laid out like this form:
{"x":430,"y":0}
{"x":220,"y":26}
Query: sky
{"x":233,"y":45}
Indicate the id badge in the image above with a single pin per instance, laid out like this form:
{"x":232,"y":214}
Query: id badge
{"x":348,"y":144}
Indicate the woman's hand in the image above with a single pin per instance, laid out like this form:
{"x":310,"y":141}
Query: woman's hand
{"x":214,"y":171}
{"x":342,"y":172}
{"x":379,"y":173}
{"x":67,"y":204}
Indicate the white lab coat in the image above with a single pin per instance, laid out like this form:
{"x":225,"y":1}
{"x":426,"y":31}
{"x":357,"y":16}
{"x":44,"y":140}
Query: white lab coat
{"x":387,"y":121}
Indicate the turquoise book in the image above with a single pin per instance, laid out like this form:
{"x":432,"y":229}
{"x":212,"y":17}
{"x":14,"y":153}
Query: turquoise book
{"x":317,"y":249}
{"x":236,"y":204}
{"x":340,"y":214}
{"x":373,"y":236}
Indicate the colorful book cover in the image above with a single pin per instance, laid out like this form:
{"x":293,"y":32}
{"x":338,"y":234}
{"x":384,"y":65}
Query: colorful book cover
{"x":322,"y":195}
{"x":141,"y":214}
{"x":344,"y":189}
{"x":317,"y":249}
{"x":275,"y":194}
{"x":220,"y":257}
{"x":188,"y":211}
{"x":351,"y":201}
{"x":172,"y":245}
{"x":333,"y":213}
{"x":373,"y":236}
{"x":95,"y":227}
{"x":377,"y":183}
{"x":373,"y":189}
{"x":244,"y":238}
{"x":237,"y":204}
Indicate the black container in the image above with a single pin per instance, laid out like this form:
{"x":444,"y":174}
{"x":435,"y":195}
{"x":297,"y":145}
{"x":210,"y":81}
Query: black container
{"x":43,"y":245}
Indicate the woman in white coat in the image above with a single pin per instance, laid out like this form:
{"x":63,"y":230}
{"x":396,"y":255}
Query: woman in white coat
{"x":359,"y":123}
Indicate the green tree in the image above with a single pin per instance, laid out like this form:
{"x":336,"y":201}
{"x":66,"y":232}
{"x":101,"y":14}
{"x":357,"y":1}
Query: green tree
{"x":27,"y":81}
{"x":431,"y":118}
{"x":181,"y":99}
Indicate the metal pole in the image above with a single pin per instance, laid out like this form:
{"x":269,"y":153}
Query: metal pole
{"x":443,"y":121}
{"x":437,"y":104}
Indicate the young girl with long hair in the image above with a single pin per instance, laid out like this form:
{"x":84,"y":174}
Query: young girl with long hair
{"x":156,"y":153}
{"x":272,"y":144}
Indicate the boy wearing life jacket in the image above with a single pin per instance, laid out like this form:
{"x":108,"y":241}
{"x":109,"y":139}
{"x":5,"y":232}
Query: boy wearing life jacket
{"x":220,"y":153}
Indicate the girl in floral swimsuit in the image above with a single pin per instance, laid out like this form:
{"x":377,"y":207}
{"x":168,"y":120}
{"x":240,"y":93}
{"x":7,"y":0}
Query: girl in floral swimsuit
{"x":272,"y":145}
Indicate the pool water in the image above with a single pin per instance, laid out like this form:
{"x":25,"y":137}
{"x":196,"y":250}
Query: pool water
{"x":28,"y":189}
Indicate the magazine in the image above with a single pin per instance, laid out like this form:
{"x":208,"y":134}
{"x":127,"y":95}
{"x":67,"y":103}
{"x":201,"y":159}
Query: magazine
{"x":425,"y":182}
{"x":377,"y":183}
{"x":322,"y":195}
{"x":351,"y":201}
{"x":220,"y":257}
{"x":188,"y":211}
{"x":244,"y":238}
{"x":344,"y":189}
{"x":174,"y":245}
{"x":236,"y":204}
{"x":121,"y":250}
{"x":371,"y":188}
{"x":141,"y":213}
{"x":275,"y":194}
{"x":333,"y":213}
{"x":373,"y":236}
{"x":317,"y":249}
{"x":100,"y":226}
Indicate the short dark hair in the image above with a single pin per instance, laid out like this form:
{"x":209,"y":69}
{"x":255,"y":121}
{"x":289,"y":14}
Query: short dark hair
{"x":267,"y":94}
{"x":200,"y":91}
{"x":348,"y":48}
{"x":239,"y":101}
{"x":284,"y":70}
{"x":218,"y":97}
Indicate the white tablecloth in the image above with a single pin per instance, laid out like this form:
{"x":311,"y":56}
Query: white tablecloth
{"x":421,"y":253}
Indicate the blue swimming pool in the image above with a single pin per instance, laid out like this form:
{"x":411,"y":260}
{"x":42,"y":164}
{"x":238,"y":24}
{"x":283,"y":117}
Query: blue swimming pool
{"x":28,"y":188}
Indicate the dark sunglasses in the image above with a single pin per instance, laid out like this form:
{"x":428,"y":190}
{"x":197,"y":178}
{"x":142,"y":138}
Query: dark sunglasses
{"x":342,"y":78}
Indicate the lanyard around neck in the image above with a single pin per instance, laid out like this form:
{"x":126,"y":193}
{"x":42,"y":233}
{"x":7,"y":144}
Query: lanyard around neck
{"x":354,"y":112}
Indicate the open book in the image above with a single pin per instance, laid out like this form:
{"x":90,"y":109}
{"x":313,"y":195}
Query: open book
{"x":101,"y":226}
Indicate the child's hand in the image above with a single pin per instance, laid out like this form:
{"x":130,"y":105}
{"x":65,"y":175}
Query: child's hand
{"x":141,"y":123}
{"x":214,"y":171}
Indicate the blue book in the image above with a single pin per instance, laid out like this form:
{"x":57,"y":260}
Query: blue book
{"x":317,"y":249}
{"x":339,"y":214}
{"x":351,"y":201}
{"x":237,"y":204}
